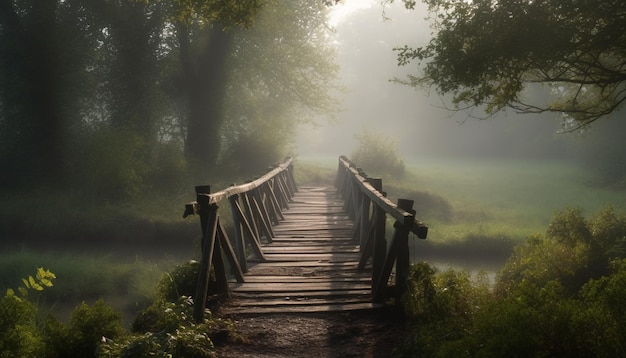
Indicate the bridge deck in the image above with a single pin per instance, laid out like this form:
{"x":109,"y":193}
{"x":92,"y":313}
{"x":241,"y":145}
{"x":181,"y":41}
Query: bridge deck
{"x":311,"y":264}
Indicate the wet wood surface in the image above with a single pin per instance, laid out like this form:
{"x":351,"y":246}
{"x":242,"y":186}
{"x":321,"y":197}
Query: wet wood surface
{"x":311,"y":263}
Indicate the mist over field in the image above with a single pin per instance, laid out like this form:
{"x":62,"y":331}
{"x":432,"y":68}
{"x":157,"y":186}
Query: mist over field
{"x":114,"y":113}
{"x":416,"y":118}
{"x":501,"y":176}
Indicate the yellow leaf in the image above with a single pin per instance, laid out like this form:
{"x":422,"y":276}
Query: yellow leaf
{"x":23,"y":291}
{"x":34,"y":285}
{"x":10,"y":292}
{"x":26,"y":283}
{"x":45,"y":282}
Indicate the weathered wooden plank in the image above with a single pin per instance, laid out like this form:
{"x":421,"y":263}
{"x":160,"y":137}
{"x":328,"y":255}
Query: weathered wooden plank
{"x":344,"y":248}
{"x":306,"y":309}
{"x":365,"y":295}
{"x":301,"y":279}
{"x":291,"y":301}
{"x":333,"y":265}
{"x":297,"y":287}
{"x":312,"y":262}
{"x":310,"y":257}
{"x":311,"y":241}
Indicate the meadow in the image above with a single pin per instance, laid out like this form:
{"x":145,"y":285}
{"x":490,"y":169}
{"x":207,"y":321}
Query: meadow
{"x":476,"y":212}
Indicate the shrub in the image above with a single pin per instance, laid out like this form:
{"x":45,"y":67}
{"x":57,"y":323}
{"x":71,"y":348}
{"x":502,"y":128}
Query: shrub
{"x":167,"y":329}
{"x":88,"y":326}
{"x":559,"y":295}
{"x":181,"y":281}
{"x":20,"y":336}
{"x":18,"y":318}
{"x":440,"y":307}
{"x":378,"y":155}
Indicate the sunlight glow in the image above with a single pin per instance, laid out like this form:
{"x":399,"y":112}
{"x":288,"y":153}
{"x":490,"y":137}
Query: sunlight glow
{"x":339,"y":12}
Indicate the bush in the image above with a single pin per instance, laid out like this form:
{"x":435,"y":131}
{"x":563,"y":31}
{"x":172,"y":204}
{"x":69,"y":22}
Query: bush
{"x":378,"y":155}
{"x":88,"y":326}
{"x":20,"y":336}
{"x":559,"y":295}
{"x":166,"y":329}
{"x":440,"y":308}
{"x":182,"y":281}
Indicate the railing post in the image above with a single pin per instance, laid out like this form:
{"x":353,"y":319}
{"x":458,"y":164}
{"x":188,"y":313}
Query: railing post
{"x":291,"y":178}
{"x":380,"y":243}
{"x":398,"y":253}
{"x":403,"y":255}
{"x":240,"y":247}
{"x":208,"y":223}
{"x":365,"y":220}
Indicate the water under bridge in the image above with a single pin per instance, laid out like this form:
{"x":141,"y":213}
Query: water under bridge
{"x":303,"y":249}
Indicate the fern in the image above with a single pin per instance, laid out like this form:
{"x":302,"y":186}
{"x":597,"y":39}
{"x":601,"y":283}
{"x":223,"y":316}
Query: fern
{"x":43,"y":278}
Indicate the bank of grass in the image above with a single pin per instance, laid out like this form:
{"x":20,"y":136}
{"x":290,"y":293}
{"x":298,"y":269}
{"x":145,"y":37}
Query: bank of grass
{"x":129,"y":286}
{"x":481,"y":208}
{"x":509,"y":198}
{"x":68,"y":216}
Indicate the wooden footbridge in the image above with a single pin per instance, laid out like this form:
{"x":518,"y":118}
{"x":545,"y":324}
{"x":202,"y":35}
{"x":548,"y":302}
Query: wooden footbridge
{"x":303,"y":249}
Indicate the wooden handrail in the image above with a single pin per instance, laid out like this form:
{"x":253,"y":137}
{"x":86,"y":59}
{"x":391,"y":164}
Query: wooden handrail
{"x":387,"y":205}
{"x":417,"y":227}
{"x":215,"y":198}
{"x":255,"y":207}
{"x":363,"y":196}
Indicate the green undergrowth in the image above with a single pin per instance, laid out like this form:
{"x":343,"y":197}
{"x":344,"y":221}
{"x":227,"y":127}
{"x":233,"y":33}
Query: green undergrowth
{"x":560,"y":294}
{"x":164,"y":328}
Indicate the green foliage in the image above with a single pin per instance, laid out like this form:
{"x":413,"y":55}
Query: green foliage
{"x":164,"y":329}
{"x":573,"y":251}
{"x":167,"y":329}
{"x":377,"y":154}
{"x":43,"y":278}
{"x":18,"y":324}
{"x":228,"y":14}
{"x":559,"y":295}
{"x":571,"y":47}
{"x":179,"y":282}
{"x":88,"y":327}
{"x":441,"y":308}
{"x":99,"y":95}
{"x":18,"y":318}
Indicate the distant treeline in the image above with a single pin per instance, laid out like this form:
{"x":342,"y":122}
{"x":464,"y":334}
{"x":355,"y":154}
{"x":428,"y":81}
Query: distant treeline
{"x":118,"y":95}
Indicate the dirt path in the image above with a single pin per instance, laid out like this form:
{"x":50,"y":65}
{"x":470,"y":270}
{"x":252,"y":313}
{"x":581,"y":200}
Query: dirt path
{"x":372,"y":333}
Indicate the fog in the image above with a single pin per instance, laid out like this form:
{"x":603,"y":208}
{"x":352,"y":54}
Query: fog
{"x":365,"y":34}
{"x":457,"y":143}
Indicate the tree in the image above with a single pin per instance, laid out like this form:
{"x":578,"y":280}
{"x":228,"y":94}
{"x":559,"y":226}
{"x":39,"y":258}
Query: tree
{"x":102,"y":95}
{"x":245,"y":86}
{"x":204,"y":50}
{"x":489,"y":52}
{"x":283,"y":74}
{"x":34,"y":97}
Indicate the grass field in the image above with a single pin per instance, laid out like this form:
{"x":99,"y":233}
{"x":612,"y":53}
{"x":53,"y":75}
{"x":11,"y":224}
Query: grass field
{"x":477,"y":209}
{"x":516,"y":198}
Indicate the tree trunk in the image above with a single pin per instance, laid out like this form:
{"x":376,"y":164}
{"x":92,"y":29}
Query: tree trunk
{"x":35,"y":116}
{"x":205,"y":79}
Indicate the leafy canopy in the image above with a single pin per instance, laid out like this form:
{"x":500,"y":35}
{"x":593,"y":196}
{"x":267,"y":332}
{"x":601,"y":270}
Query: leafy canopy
{"x":488,"y":52}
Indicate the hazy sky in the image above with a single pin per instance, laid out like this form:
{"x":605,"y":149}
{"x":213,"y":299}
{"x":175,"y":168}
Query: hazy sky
{"x":366,"y":33}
